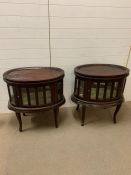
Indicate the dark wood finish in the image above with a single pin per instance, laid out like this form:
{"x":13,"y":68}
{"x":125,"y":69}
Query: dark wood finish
{"x":105,"y":90}
{"x":103,"y":86}
{"x":19,"y":120}
{"x":97,"y":90}
{"x":56,"y":110}
{"x":28,"y":96}
{"x":116,"y":111}
{"x":112,"y":89}
{"x":44,"y":95}
{"x":34,"y":89}
{"x":36,"y":96}
{"x":101,"y":70}
{"x":33,"y":74}
{"x":83,"y":115}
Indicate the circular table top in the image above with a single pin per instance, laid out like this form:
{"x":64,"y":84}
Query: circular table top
{"x":33,"y":74}
{"x":101,"y":70}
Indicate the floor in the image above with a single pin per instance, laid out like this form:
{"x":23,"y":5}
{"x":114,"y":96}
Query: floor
{"x":98,"y":148}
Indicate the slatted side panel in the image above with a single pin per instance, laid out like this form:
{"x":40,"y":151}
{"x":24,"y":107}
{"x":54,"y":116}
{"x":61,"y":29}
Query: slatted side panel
{"x":37,"y":96}
{"x":34,"y":96}
{"x":99,"y":90}
{"x":106,"y":91}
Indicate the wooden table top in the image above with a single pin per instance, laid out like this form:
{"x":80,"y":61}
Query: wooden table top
{"x":101,"y":70}
{"x":33,"y":74}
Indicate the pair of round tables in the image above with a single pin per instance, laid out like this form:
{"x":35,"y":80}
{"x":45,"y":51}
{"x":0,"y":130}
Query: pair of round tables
{"x":33,"y":89}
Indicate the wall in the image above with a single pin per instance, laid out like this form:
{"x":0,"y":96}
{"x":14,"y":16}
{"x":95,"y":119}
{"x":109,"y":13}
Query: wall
{"x":82,"y":31}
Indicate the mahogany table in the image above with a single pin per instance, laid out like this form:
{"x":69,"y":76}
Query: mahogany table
{"x":33,"y":89}
{"x":99,"y":85}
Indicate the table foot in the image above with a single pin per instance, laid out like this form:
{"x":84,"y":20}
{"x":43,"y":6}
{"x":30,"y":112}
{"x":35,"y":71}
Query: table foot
{"x":83,"y":115}
{"x":56,"y":111}
{"x":19,"y":120}
{"x":116,"y":111}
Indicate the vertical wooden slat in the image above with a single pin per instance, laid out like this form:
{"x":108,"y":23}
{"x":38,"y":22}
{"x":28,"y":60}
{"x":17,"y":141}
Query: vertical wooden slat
{"x":28,"y":96}
{"x":124,"y":85}
{"x":119,"y":90}
{"x":105,"y":90}
{"x":59,"y":90}
{"x":62,"y":88}
{"x":54,"y":93}
{"x":44,"y":95}
{"x":15,"y":95}
{"x":9,"y":92}
{"x":97,"y":90}
{"x":20,"y":92}
{"x":115,"y":89}
{"x":19,"y":96}
{"x":75,"y":88}
{"x":87,"y":88}
{"x":78,"y":91}
{"x":112,"y":89}
{"x":36,"y":96}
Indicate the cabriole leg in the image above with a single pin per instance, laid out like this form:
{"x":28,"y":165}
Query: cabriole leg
{"x":56,"y":111}
{"x":83,"y":115}
{"x":19,"y":120}
{"x":116,"y":111}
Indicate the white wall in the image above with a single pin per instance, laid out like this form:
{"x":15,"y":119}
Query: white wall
{"x":82,"y":31}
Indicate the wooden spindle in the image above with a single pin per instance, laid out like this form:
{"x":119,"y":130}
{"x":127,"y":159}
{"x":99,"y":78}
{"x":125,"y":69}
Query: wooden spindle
{"x":36,"y":96}
{"x":9,"y":92}
{"x":112,"y":89}
{"x":19,"y":96}
{"x":97,"y":90}
{"x":15,"y":95}
{"x":119,"y":90}
{"x":105,"y":90}
{"x":44,"y":95}
{"x":28,"y":96}
{"x":75,"y":86}
{"x":78,"y":91}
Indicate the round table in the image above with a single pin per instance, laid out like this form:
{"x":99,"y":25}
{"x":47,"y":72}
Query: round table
{"x":33,"y":89}
{"x":99,"y":85}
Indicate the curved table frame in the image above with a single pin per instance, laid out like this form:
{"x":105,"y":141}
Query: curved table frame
{"x":47,"y":91}
{"x":92,"y":89}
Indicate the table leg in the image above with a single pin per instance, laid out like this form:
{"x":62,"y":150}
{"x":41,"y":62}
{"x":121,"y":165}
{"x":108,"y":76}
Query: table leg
{"x":116,"y":111}
{"x":19,"y":120}
{"x":77,"y":108}
{"x":83,"y":115}
{"x":56,"y":111}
